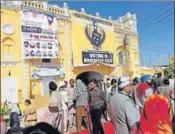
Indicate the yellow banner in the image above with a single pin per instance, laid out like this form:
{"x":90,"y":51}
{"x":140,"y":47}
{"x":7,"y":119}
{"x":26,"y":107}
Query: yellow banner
{"x":92,"y":38}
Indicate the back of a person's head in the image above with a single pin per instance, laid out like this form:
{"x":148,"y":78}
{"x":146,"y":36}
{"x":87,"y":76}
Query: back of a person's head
{"x":145,"y":77}
{"x":159,"y":75}
{"x":113,"y":81}
{"x":135,"y":81}
{"x":52,"y":86}
{"x":108,"y":79}
{"x":28,"y":101}
{"x":170,"y":76}
{"x":93,"y":80}
{"x":41,"y":128}
{"x":166,"y":82}
{"x":123,"y":82}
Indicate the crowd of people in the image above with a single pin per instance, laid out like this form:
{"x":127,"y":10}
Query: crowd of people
{"x":143,"y":105}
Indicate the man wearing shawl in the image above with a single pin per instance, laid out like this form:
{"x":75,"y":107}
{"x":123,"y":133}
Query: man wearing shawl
{"x":81,"y":98}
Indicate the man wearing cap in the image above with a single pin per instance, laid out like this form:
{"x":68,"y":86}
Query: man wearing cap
{"x":124,"y":113}
{"x":143,"y":90}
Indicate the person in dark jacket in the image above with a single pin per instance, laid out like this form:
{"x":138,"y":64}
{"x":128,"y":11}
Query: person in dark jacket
{"x":97,"y":102}
{"x":14,"y":119}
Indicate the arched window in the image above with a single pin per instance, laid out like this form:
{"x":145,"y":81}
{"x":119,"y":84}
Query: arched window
{"x":126,"y":40}
{"x":121,"y":57}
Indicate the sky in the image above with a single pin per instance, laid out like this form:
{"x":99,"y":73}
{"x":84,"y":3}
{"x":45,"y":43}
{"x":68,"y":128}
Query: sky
{"x":155,"y":24}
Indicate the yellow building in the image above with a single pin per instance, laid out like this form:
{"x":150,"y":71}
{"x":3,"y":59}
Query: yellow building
{"x":42,"y":43}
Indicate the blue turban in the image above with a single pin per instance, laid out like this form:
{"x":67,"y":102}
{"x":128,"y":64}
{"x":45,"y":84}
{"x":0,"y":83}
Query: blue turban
{"x":145,"y":77}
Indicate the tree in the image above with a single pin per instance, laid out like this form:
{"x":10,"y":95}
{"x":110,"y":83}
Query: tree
{"x":169,"y":70}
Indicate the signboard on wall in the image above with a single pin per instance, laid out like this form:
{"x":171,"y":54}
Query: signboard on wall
{"x":45,"y":70}
{"x":97,"y":56}
{"x":97,"y":35}
{"x":38,"y":35}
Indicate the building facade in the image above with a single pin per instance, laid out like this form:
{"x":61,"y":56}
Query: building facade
{"x":42,"y":43}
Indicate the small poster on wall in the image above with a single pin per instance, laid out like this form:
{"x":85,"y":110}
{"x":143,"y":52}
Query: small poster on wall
{"x":38,"y":35}
{"x":45,"y":70}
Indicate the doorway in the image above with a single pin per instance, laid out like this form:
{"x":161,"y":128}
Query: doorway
{"x":87,"y":76}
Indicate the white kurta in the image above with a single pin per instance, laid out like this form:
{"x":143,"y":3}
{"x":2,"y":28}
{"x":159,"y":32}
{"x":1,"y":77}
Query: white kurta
{"x":71,"y":108}
{"x":64,"y":101}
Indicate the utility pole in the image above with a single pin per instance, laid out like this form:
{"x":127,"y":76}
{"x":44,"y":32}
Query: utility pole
{"x":158,"y":64}
{"x":150,"y":61}
{"x":142,"y":60}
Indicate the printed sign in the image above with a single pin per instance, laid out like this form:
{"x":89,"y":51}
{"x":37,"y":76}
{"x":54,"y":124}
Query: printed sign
{"x":97,"y":34}
{"x":97,"y":56}
{"x":39,"y":35}
{"x":46,"y":70}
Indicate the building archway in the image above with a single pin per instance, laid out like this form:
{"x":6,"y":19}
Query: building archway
{"x":89,"y":75}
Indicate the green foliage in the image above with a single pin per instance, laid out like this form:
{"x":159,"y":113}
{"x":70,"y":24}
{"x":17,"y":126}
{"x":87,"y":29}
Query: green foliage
{"x":169,"y":70}
{"x":4,"y":110}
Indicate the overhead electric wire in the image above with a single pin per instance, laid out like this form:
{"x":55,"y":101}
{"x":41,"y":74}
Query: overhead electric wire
{"x":162,"y":19}
{"x":154,"y":50}
{"x":153,"y":33}
{"x":157,"y":17}
{"x":160,"y":9}
{"x":160,"y":24}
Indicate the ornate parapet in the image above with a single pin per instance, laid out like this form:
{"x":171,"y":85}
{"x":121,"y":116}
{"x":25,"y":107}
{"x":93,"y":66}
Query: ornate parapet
{"x":42,"y":7}
{"x":126,"y":23}
{"x":13,"y":5}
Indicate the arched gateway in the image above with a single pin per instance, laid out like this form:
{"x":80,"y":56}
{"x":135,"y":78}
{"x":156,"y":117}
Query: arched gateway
{"x":87,"y":76}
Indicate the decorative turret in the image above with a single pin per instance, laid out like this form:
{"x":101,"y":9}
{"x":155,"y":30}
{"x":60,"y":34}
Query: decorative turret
{"x":110,"y":18}
{"x":130,"y":20}
{"x":97,"y":14}
{"x":83,"y":10}
{"x":44,"y":5}
{"x":66,"y":9}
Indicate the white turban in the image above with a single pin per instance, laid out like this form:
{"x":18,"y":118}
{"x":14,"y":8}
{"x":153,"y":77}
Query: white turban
{"x":124,"y":81}
{"x":61,"y":83}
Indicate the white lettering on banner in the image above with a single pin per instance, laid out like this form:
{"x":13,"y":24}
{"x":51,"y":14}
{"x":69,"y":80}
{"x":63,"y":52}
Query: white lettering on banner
{"x":39,"y":35}
{"x":92,"y":57}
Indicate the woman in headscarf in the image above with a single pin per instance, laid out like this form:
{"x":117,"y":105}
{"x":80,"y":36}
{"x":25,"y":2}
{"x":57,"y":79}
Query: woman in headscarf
{"x":155,"y":118}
